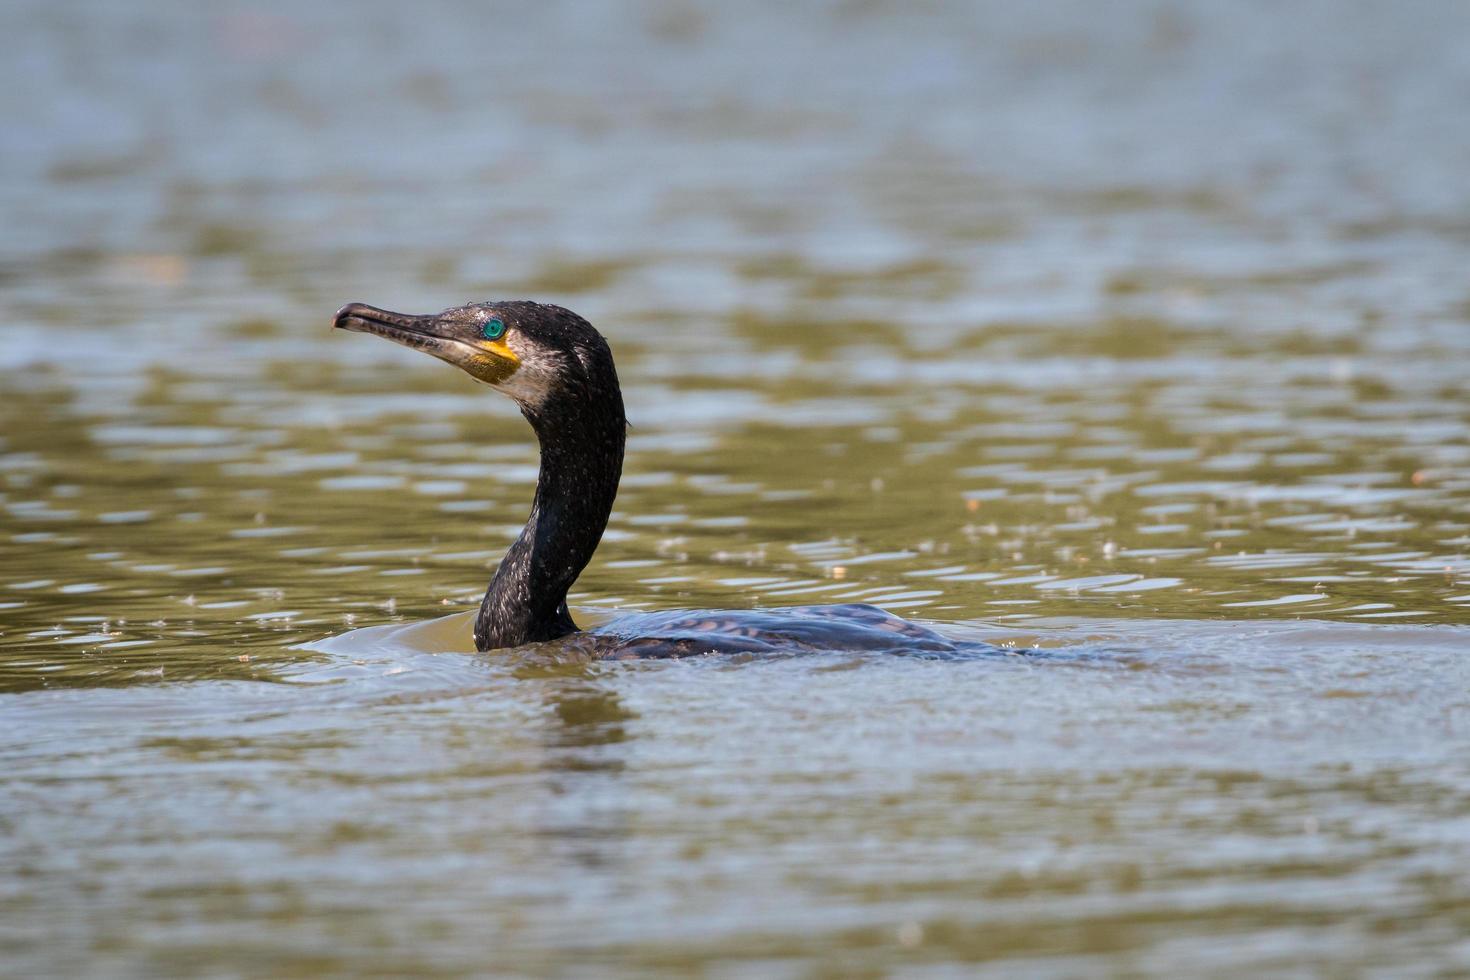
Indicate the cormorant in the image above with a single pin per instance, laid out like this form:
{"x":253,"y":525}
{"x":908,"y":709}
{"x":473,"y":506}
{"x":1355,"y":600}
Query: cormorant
{"x":559,"y":370}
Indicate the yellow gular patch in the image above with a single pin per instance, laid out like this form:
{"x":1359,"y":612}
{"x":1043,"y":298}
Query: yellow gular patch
{"x":493,"y":362}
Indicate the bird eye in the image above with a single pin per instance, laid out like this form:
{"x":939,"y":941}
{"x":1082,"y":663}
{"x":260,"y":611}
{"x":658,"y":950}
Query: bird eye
{"x":493,"y":329}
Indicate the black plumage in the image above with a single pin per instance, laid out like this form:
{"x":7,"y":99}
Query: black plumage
{"x":559,"y":370}
{"x":581,"y":428}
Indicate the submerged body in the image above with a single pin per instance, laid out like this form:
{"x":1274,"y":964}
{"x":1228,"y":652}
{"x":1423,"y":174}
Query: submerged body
{"x":559,"y":370}
{"x":795,"y":629}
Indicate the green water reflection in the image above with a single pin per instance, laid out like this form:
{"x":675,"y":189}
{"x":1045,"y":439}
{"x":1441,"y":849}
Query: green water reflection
{"x":1136,"y":329}
{"x":281,"y":500}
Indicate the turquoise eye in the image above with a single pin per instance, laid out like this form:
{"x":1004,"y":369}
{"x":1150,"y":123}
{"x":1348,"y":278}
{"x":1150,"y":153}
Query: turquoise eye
{"x":493,"y":329}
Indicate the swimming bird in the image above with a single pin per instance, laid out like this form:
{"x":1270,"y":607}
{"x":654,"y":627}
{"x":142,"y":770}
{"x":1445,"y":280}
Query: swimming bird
{"x":559,"y":370}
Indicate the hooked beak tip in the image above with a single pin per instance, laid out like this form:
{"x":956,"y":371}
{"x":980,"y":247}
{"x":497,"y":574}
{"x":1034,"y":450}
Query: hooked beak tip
{"x":348,"y":312}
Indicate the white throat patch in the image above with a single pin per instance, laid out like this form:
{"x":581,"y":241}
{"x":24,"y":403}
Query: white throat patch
{"x":533,"y":381}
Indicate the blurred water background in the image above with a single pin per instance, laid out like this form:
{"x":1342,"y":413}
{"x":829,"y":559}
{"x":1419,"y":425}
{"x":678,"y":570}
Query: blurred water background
{"x":1139,"y":329}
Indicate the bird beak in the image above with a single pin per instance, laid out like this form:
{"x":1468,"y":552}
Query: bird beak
{"x":484,"y":360}
{"x":411,"y":331}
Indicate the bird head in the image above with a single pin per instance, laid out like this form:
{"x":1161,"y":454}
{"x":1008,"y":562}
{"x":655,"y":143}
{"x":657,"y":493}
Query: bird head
{"x":537,"y":354}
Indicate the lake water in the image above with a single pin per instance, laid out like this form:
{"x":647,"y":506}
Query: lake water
{"x":1138,"y":332}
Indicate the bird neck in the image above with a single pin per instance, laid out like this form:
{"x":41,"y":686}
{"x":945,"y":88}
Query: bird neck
{"x":581,"y":462}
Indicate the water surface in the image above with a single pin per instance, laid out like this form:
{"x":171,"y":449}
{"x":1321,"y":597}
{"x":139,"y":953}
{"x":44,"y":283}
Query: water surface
{"x":1137,"y":333}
